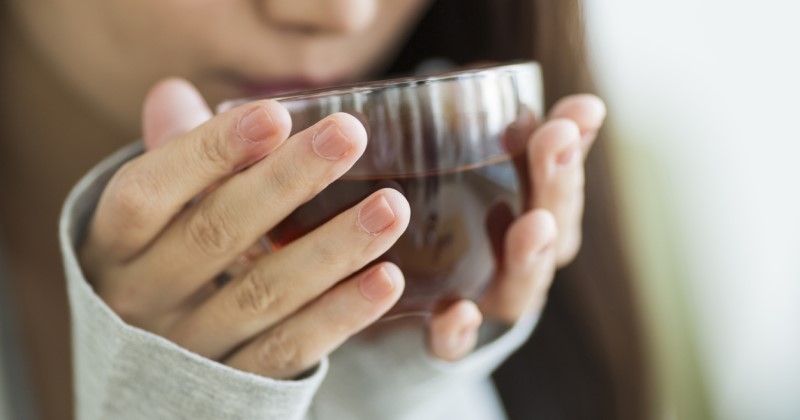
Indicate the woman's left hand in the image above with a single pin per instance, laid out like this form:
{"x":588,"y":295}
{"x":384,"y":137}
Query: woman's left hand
{"x":545,"y":238}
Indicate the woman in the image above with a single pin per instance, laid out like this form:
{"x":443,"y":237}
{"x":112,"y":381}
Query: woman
{"x":75,"y":76}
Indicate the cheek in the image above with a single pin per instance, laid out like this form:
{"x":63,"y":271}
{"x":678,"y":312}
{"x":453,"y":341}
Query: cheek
{"x":143,"y":42}
{"x":110,"y":52}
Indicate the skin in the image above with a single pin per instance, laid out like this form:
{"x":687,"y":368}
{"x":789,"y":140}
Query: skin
{"x":100,"y":60}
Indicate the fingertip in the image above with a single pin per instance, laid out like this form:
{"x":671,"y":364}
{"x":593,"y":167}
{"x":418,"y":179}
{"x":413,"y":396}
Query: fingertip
{"x":171,"y":107}
{"x":531,"y":235}
{"x":454,"y":332}
{"x":469,"y":315}
{"x":280,"y":116}
{"x":260,"y":121}
{"x":381,"y":283}
{"x":170,"y":84}
{"x":554,"y":135}
{"x":562,"y":128}
{"x":587,"y":110}
{"x":352,"y":128}
{"x":399,"y":205}
{"x":555,"y":145}
{"x":593,"y":110}
{"x":545,"y":222}
{"x":397,"y":277}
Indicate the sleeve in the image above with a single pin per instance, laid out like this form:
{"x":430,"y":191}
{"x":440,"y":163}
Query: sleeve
{"x":391,"y":376}
{"x":122,"y":372}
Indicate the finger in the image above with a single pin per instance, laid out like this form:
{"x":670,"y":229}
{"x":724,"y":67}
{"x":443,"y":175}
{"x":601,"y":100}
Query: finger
{"x":554,"y":155}
{"x":171,"y":108}
{"x":586,"y":110}
{"x":205,"y":239}
{"x":527,"y":269}
{"x":147,"y":192}
{"x":299,"y":343}
{"x":453,"y":333}
{"x":280,"y":283}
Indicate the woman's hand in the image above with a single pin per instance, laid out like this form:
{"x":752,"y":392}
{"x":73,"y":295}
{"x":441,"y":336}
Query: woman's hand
{"x":543,"y":239}
{"x":154,"y":259}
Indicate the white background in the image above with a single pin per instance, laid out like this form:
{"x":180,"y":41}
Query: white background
{"x":705,"y":113}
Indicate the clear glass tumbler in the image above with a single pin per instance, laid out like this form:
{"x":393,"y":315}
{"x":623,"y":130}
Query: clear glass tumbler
{"x":454,"y":145}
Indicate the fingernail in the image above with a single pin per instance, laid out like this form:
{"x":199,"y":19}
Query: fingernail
{"x":329,"y":143}
{"x":589,"y":136}
{"x":544,"y":248}
{"x":376,"y":216}
{"x":568,"y":155}
{"x":462,"y":342}
{"x":377,"y":285}
{"x":255,"y":126}
{"x":539,"y":250}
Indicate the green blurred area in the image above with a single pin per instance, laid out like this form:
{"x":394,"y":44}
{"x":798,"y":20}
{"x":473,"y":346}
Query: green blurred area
{"x":652,"y":242}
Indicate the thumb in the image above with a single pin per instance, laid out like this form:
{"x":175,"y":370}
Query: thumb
{"x":172,"y":107}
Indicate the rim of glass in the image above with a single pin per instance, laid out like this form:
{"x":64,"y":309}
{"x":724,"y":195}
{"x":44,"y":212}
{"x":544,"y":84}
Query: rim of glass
{"x":409,"y":81}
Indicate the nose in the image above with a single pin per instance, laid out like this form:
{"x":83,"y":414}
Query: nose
{"x":314,"y":16}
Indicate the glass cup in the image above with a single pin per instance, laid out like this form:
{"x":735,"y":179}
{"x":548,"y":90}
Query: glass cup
{"x":454,"y":146}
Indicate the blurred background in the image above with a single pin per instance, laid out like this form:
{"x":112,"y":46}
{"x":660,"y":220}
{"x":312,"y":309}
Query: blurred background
{"x":704,"y":97}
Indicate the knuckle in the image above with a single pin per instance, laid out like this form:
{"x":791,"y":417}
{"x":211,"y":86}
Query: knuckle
{"x":212,"y":152}
{"x":287,"y":178}
{"x":290,"y":179}
{"x":328,"y":255}
{"x":256,"y":294}
{"x":211,"y":231}
{"x":280,"y":353}
{"x":133,"y":195}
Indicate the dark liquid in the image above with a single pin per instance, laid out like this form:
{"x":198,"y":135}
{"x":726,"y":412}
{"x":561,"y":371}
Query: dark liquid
{"x":453,"y":242}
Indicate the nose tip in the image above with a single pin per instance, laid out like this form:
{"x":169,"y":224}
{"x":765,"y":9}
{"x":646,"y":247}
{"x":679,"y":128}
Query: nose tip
{"x":314,"y":16}
{"x":351,"y":16}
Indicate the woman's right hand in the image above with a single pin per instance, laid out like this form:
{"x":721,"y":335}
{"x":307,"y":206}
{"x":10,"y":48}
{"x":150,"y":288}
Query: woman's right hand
{"x":153,"y":258}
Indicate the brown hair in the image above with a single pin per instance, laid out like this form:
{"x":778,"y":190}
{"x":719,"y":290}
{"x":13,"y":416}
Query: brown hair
{"x":586,"y":358}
